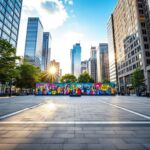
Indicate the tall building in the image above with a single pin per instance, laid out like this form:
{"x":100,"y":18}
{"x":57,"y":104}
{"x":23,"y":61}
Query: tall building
{"x":112,"y":52}
{"x":46,"y":51}
{"x":93,"y":64}
{"x":10,"y":13}
{"x":102,"y":62}
{"x":132,"y":40}
{"x":75,"y":55}
{"x":84,"y":66}
{"x":34,"y":41}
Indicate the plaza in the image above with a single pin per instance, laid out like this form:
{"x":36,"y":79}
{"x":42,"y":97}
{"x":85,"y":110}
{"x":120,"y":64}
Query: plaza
{"x":74,"y":123}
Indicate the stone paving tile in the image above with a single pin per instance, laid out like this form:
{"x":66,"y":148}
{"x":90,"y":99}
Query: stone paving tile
{"x":74,"y":136}
{"x":147,"y":146}
{"x":75,"y":147}
{"x":130,"y":146}
{"x":101,"y":147}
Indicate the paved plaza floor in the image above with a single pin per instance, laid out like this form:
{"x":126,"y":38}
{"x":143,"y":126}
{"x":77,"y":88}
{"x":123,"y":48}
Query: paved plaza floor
{"x":75,"y":123}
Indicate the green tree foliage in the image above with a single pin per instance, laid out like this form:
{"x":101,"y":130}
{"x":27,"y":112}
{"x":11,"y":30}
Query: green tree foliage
{"x":137,"y":79}
{"x":85,"y":78}
{"x":106,"y":81}
{"x":8,"y":69}
{"x":29,"y":74}
{"x":68,"y":78}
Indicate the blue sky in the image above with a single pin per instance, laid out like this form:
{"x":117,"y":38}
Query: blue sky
{"x":69,"y":21}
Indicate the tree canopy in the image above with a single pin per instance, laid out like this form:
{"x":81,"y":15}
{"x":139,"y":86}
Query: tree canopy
{"x":8,"y":69}
{"x":29,"y":74}
{"x":137,"y":78}
{"x":68,"y":78}
{"x":85,"y":78}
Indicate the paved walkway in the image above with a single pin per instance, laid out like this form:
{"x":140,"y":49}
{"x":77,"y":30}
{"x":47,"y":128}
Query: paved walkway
{"x":83,"y":123}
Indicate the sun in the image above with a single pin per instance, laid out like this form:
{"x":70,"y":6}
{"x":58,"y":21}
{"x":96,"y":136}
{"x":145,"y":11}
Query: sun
{"x":52,"y":70}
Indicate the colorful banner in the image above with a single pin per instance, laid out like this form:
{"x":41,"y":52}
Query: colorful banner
{"x":75,"y":89}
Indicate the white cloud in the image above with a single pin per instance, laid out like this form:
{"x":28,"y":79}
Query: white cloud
{"x":70,"y":2}
{"x":52,"y":14}
{"x":61,"y":51}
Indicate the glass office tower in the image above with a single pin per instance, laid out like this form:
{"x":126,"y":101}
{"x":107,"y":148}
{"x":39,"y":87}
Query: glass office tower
{"x":76,"y":60}
{"x":46,"y":51}
{"x":34,"y":42}
{"x":102,"y":62}
{"x":10,"y":13}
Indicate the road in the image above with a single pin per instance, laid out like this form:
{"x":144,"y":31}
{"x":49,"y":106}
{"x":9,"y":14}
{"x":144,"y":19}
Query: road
{"x":74,"y":123}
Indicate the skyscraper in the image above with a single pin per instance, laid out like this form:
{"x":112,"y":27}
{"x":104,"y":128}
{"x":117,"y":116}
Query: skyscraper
{"x":112,"y":52}
{"x":46,"y":51}
{"x":75,"y":55}
{"x":84,"y":66}
{"x":93,"y":64}
{"x":10,"y":13}
{"x":102,"y":62}
{"x":132,"y":40}
{"x":34,"y":41}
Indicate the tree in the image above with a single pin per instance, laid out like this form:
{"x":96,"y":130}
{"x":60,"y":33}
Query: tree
{"x":68,"y":78}
{"x":85,"y":78}
{"x":8,"y":68}
{"x":106,"y":81}
{"x":29,"y":74}
{"x":137,"y":79}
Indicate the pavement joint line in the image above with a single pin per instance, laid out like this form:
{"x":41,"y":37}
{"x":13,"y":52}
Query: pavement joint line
{"x":80,"y":123}
{"x":20,"y":111}
{"x":128,"y":110}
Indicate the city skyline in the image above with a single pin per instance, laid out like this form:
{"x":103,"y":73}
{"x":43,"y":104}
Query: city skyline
{"x":68,"y":24}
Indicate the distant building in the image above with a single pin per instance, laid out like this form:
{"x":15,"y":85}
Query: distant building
{"x":34,"y":42}
{"x":93,"y":64}
{"x":112,"y":52}
{"x":46,"y":51}
{"x":10,"y":13}
{"x":75,"y":55}
{"x":84,"y":66}
{"x":102,"y":62}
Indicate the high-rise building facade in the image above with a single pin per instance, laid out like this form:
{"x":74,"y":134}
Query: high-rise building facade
{"x":10,"y":13}
{"x":34,"y":41}
{"x":102,"y":62}
{"x":112,"y":52}
{"x":84,"y":66}
{"x":46,"y":51}
{"x":93,"y":64}
{"x":75,"y":55}
{"x":132,"y":40}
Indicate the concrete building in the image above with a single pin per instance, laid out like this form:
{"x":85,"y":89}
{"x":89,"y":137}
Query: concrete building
{"x":102,"y":62}
{"x":46,"y":51}
{"x":10,"y":13}
{"x":132,"y":40}
{"x":84,"y":66}
{"x":93,"y":64}
{"x":112,"y":52}
{"x":34,"y":42}
{"x":75,"y":55}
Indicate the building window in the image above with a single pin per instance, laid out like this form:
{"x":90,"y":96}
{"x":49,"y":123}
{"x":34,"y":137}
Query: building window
{"x":147,"y":53}
{"x":144,"y":31}
{"x":148,"y":61}
{"x":146,"y":46}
